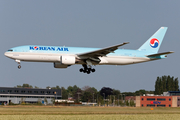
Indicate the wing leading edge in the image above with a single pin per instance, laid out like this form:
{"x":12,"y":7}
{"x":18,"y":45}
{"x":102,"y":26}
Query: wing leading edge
{"x":101,"y":52}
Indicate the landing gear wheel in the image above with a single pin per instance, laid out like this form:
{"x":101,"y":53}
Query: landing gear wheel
{"x":81,"y":70}
{"x":19,"y":66}
{"x":88,"y":72}
{"x":87,"y":69}
{"x":93,"y":70}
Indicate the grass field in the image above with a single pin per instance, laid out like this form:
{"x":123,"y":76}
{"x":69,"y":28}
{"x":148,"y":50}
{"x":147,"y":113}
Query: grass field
{"x":86,"y":113}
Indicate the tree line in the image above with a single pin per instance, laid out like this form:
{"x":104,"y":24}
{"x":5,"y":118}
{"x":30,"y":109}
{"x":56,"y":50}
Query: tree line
{"x":166,"y":83}
{"x":91,"y":94}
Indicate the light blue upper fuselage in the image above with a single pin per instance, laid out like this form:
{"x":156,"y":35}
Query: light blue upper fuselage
{"x":77,"y":50}
{"x":63,"y":56}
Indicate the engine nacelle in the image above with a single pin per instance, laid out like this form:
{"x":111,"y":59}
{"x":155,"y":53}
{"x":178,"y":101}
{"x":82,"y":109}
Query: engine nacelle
{"x":65,"y":61}
{"x":68,"y":60}
{"x":60,"y":65}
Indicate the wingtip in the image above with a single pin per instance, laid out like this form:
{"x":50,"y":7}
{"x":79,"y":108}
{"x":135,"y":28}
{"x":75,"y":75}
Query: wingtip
{"x":164,"y":28}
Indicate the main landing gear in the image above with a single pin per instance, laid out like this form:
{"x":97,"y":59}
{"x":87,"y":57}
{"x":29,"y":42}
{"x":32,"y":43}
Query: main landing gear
{"x":87,"y":69}
{"x":18,"y":61}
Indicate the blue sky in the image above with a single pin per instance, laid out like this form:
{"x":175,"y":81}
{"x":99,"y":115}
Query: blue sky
{"x":95,"y":23}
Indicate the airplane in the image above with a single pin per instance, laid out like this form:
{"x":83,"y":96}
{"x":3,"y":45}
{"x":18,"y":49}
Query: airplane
{"x":63,"y":57}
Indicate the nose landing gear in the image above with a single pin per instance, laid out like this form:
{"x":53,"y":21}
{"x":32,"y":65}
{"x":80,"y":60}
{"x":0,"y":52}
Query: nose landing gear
{"x":18,"y":61}
{"x":19,"y":66}
{"x":87,"y":69}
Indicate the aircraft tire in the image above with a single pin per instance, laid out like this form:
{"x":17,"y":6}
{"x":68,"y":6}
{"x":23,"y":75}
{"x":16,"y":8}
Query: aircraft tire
{"x":19,"y":66}
{"x":81,"y":70}
{"x":88,"y":70}
{"x":93,"y":70}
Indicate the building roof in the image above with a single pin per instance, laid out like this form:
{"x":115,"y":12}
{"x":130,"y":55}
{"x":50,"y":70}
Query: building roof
{"x":174,"y":91}
{"x":32,"y":91}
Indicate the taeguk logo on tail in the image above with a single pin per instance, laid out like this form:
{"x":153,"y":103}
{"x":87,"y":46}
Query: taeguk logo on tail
{"x":154,"y":43}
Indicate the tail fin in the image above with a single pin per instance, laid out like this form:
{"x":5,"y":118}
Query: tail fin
{"x":154,"y":42}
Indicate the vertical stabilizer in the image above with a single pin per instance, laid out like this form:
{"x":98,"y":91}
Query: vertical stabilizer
{"x":154,"y":42}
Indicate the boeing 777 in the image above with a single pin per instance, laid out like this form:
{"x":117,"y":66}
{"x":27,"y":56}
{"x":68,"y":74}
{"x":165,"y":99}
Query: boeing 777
{"x":63,"y":57}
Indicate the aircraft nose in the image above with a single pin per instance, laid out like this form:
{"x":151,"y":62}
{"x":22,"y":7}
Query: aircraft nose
{"x":5,"y":54}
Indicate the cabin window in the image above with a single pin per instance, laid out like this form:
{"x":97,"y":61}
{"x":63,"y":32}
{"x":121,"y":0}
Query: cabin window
{"x":10,"y":50}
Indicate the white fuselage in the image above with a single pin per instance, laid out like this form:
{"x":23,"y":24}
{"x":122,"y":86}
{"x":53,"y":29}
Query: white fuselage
{"x":55,"y":57}
{"x":63,"y":56}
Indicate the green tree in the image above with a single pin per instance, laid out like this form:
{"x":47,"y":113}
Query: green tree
{"x":140,"y":92}
{"x":77,"y":95}
{"x":70,"y":90}
{"x":64,"y":93}
{"x":157,"y":86}
{"x":86,"y":97}
{"x":99,"y":98}
{"x":36,"y":87}
{"x":160,"y":86}
{"x":48,"y":87}
{"x":126,"y":102}
{"x":129,"y":94}
{"x":166,"y":83}
{"x":172,"y":84}
{"x":92,"y":91}
{"x":116,"y":93}
{"x":57,"y":87}
{"x":176,"y":85}
{"x":24,"y":86}
{"x":132,"y":104}
{"x":121,"y":103}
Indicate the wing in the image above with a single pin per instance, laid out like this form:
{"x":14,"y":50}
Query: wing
{"x":158,"y":54}
{"x":101,"y":52}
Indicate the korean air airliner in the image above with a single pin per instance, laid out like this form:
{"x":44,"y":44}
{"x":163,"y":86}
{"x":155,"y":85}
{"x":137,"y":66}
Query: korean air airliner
{"x":63,"y":57}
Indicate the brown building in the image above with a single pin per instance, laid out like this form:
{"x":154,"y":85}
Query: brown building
{"x":157,"y":101}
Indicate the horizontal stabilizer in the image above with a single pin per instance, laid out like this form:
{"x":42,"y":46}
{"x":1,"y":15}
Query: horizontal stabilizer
{"x":158,"y":54}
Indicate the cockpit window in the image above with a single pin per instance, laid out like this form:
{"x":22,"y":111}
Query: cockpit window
{"x":10,"y":50}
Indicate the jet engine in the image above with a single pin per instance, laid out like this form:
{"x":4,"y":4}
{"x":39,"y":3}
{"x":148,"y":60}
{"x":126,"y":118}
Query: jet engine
{"x":60,"y":65}
{"x":68,"y":60}
{"x":65,"y":61}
